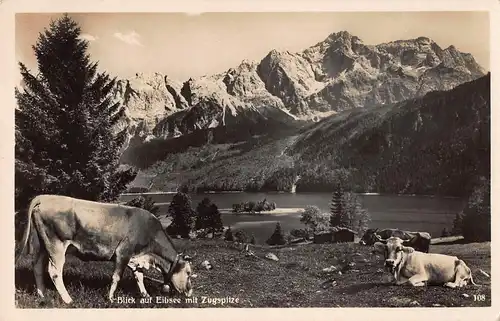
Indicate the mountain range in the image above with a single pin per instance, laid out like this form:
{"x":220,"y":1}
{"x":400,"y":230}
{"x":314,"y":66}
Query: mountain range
{"x":337,"y":74}
{"x":400,"y":117}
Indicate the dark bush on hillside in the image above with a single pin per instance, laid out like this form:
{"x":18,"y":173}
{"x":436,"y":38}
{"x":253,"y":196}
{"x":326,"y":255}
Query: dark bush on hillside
{"x":277,"y":238}
{"x":242,"y":237}
{"x":229,"y":235}
{"x":300,"y":233}
{"x":145,"y":202}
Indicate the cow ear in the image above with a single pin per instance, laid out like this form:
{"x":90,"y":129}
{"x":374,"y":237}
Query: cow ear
{"x":379,"y":247}
{"x":408,"y":249}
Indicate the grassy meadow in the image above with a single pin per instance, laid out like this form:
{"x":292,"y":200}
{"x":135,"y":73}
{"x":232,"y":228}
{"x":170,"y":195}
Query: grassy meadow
{"x":296,"y":280}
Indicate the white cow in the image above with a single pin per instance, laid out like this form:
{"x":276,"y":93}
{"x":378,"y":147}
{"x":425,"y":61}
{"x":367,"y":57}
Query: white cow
{"x":418,"y":268}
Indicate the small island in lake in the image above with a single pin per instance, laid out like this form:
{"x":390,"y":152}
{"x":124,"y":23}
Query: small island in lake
{"x":254,"y":207}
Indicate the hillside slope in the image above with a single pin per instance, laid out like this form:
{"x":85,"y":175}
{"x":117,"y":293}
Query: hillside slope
{"x":437,"y":144}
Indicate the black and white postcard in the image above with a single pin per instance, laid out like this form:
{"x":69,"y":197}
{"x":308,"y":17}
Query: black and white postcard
{"x":317,"y":160}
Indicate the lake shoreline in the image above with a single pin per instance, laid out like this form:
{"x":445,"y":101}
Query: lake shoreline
{"x":299,"y":193}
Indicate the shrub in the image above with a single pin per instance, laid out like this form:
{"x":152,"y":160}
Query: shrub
{"x":314,"y":219}
{"x":237,"y":208}
{"x":250,"y":206}
{"x":145,"y":202}
{"x":241,"y":236}
{"x":302,"y":233}
{"x":229,"y":235}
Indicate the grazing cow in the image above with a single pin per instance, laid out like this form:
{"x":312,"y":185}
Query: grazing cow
{"x":418,"y":240}
{"x":129,"y":236}
{"x":419,"y":269}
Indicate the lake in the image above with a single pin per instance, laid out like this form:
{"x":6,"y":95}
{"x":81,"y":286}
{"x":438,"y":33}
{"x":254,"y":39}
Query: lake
{"x":414,"y":213}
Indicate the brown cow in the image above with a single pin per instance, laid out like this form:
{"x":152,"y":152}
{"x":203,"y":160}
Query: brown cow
{"x":129,"y":236}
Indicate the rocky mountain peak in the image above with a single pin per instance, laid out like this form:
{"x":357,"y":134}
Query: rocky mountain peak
{"x":338,"y":73}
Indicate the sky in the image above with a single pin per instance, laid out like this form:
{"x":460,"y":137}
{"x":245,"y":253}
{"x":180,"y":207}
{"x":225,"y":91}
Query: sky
{"x":185,"y":45}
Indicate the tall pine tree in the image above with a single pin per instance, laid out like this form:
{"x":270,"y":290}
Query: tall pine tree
{"x":337,"y":207}
{"x":66,"y":123}
{"x":182,"y":215}
{"x":345,"y":208}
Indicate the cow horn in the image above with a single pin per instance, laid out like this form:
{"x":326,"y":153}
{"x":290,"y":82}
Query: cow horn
{"x":380,"y":239}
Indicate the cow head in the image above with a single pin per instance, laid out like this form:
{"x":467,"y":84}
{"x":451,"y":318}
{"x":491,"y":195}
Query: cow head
{"x":394,"y":252}
{"x":370,"y":237}
{"x":180,"y":276}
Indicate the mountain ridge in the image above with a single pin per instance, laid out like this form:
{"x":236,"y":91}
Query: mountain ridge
{"x":338,"y":73}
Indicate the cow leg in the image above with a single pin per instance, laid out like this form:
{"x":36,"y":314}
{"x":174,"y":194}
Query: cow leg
{"x":120,"y":265}
{"x":139,"y":277}
{"x":418,"y":280}
{"x":40,"y":263}
{"x":400,"y":281}
{"x":57,"y":257}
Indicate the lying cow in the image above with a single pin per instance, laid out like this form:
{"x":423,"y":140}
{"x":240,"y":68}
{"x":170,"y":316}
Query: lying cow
{"x":418,"y":240}
{"x":129,"y":236}
{"x":419,"y":269}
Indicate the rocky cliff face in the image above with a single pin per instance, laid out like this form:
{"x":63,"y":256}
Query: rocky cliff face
{"x":336,"y":74}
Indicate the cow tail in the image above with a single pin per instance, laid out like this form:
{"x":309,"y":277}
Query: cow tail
{"x":472,"y":281}
{"x":35,"y":202}
{"x":461,"y":262}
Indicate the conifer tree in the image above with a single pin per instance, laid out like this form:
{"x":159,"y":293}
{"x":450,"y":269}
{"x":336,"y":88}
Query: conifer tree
{"x":277,"y":238}
{"x":67,"y":140}
{"x":208,"y":216}
{"x":337,"y":205}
